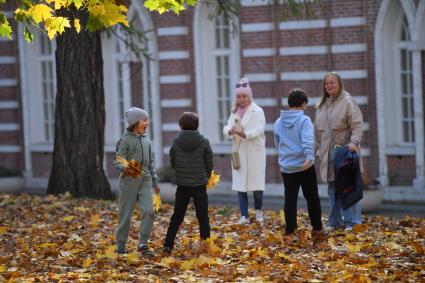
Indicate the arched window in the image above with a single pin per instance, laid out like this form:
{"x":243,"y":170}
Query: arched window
{"x":406,"y":82}
{"x":40,"y":72}
{"x":218,"y":68}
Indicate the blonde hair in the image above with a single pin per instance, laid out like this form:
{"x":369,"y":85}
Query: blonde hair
{"x":324,"y":93}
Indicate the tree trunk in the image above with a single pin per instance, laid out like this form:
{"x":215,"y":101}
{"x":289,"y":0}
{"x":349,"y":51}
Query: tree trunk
{"x":79,"y":117}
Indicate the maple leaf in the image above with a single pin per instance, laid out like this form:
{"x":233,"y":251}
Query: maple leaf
{"x":68,"y":218}
{"x":94,"y":219}
{"x":213,"y":180}
{"x":156,"y":202}
{"x":77,"y":25}
{"x":87,"y":262}
{"x":111,"y":253}
{"x":56,"y":25}
{"x":40,"y":12}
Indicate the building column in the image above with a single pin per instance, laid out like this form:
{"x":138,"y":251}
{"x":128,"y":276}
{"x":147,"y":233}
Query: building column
{"x":419,"y":181}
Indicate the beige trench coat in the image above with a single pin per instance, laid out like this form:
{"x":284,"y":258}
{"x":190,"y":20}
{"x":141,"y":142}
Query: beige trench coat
{"x":337,"y":123}
{"x":252,"y":150}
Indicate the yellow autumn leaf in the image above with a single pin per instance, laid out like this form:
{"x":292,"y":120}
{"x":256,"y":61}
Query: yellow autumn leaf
{"x":188,"y":264}
{"x":94,"y":219}
{"x":2,"y":230}
{"x":169,"y":262}
{"x":213,"y":180}
{"x":111,"y":253}
{"x":87,"y":262}
{"x":68,"y":218}
{"x":133,"y":257}
{"x":156,"y":202}
{"x":56,"y":25}
{"x":353,"y":248}
{"x":3,"y":268}
{"x":77,"y":25}
{"x":40,"y":12}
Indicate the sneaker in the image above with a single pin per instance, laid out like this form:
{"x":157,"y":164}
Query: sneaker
{"x":348,"y":228}
{"x":121,"y":250}
{"x":330,"y":228}
{"x":243,"y":220}
{"x":167,"y":250}
{"x":259,"y":216}
{"x":144,"y":250}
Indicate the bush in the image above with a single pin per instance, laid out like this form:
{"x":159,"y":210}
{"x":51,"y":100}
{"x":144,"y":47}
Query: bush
{"x":8,"y":172}
{"x":166,"y":174}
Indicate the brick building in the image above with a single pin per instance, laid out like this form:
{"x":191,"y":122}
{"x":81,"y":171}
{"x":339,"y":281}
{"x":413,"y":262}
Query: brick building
{"x":377,"y":46}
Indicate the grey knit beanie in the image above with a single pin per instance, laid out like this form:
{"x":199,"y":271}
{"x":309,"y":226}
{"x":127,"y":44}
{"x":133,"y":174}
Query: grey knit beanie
{"x":135,"y":114}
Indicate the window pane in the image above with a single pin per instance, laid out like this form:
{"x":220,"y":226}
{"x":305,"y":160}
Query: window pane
{"x":406,"y":131}
{"x":403,"y":59}
{"x":218,"y":65}
{"x":405,"y":107}
{"x":412,"y":126}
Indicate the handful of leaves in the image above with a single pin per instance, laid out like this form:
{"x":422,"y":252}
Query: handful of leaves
{"x":130,"y":168}
{"x":213,"y":180}
{"x":156,"y":202}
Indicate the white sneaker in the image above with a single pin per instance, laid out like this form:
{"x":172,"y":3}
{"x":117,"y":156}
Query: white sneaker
{"x":243,"y":220}
{"x":348,"y":228}
{"x":259,"y":216}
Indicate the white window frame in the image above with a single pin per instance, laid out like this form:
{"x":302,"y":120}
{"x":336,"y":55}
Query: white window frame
{"x":41,"y":123}
{"x":206,"y":73}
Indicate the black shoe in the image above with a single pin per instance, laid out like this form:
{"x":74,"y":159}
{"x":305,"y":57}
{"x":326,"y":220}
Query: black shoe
{"x":167,"y":250}
{"x":121,"y":251}
{"x":144,"y":250}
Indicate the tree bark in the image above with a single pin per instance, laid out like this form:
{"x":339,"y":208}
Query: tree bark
{"x":79,"y":117}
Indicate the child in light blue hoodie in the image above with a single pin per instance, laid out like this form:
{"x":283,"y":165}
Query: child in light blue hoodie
{"x":293,"y":135}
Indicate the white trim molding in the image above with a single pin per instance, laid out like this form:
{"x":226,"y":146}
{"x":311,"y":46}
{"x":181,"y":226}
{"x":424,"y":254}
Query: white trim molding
{"x":261,"y":77}
{"x":9,"y":127}
{"x":360,"y":99}
{"x":257,"y":27}
{"x":9,"y":104}
{"x":173,"y":103}
{"x":170,"y":127}
{"x":7,"y":60}
{"x":10,"y":148}
{"x":322,"y":49}
{"x":8,"y":82}
{"x":173,"y":55}
{"x":318,"y":75}
{"x":266,"y":102}
{"x":170,"y":31}
{"x":174,"y":79}
{"x":258,"y":52}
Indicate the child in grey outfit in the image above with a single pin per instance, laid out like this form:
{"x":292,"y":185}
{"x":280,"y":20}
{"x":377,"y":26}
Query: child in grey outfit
{"x":135,"y":187}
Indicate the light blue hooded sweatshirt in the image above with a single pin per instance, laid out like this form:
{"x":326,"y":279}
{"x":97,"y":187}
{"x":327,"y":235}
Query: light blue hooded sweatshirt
{"x":293,"y":136}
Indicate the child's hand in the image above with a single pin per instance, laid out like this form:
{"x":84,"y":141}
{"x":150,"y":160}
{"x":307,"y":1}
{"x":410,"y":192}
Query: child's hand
{"x":307,"y":164}
{"x":156,"y":189}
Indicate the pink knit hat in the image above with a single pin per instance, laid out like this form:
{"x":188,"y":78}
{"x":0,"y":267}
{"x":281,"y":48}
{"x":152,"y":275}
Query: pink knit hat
{"x":240,"y":89}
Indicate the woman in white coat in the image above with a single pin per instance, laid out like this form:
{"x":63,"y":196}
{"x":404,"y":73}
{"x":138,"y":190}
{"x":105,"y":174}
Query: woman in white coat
{"x":246,"y":126}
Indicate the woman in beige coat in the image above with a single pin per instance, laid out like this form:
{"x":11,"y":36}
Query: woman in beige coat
{"x":338,"y":122}
{"x":246,"y":126}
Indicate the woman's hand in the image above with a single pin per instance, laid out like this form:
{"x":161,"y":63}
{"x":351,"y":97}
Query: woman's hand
{"x":307,"y":164}
{"x":240,"y":132}
{"x":156,"y":189}
{"x":352,"y":147}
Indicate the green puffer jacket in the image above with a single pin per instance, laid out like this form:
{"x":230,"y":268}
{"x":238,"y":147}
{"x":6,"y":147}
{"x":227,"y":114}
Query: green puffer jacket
{"x":137,"y":147}
{"x":191,"y":157}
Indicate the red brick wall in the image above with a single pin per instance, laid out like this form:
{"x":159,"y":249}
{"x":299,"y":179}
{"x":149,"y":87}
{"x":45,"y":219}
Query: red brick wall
{"x":401,"y":170}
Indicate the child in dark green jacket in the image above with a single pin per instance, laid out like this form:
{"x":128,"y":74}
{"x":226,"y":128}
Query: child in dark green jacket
{"x":191,"y":157}
{"x":135,"y":185}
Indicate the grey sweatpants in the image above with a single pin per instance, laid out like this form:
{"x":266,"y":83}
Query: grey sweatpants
{"x":132,"y":191}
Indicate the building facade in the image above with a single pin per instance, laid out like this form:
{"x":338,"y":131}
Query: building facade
{"x":377,"y":46}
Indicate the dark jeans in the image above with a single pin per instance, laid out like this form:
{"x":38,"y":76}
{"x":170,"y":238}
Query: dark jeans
{"x":243,"y":202}
{"x":200,"y":199}
{"x":308,"y":182}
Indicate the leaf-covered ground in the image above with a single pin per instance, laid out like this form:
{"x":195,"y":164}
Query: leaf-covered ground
{"x":60,"y":239}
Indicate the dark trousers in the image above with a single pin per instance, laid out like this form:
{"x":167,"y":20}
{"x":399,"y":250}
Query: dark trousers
{"x":200,"y":199}
{"x":308,"y":182}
